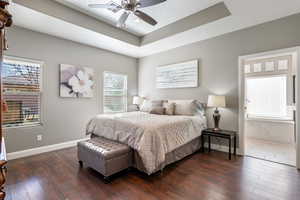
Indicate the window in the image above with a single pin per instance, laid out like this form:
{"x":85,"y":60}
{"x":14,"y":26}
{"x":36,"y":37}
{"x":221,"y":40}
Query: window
{"x":115,"y":93}
{"x":22,"y":92}
{"x":267,"y":97}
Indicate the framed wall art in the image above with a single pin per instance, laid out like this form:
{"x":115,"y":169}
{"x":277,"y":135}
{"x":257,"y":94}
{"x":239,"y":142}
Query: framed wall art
{"x":76,"y":82}
{"x":180,"y":75}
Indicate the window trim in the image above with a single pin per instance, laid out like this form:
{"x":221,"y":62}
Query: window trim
{"x":103,"y":96}
{"x":268,"y":118}
{"x":42,"y":64}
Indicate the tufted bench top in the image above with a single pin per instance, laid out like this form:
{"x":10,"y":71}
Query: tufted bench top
{"x":106,"y":148}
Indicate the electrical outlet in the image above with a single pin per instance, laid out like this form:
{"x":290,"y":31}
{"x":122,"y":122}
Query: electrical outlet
{"x":39,"y":137}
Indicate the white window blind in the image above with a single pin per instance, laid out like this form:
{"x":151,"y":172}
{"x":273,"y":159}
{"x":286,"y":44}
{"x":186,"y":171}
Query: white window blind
{"x":22,"y":92}
{"x":267,"y":97}
{"x":115,"y":93}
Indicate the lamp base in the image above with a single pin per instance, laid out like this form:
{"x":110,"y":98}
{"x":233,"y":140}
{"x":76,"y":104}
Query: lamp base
{"x":217,"y":118}
{"x":137,"y":107}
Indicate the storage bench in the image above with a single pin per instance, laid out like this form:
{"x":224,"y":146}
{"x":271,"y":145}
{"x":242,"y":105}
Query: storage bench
{"x":105,"y":156}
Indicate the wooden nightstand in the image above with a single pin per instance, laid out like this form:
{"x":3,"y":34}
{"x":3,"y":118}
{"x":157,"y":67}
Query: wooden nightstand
{"x":229,"y":135}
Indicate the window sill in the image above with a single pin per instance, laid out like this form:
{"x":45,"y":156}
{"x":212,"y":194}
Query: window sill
{"x":23,"y":126}
{"x":273,"y":120}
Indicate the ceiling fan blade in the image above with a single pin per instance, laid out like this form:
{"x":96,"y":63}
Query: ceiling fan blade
{"x":145,"y":17}
{"x":112,"y":6}
{"x":99,"y":5}
{"x":122,"y":19}
{"x":146,"y":3}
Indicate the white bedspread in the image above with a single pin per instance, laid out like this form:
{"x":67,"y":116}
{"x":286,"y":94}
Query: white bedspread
{"x":152,"y":136}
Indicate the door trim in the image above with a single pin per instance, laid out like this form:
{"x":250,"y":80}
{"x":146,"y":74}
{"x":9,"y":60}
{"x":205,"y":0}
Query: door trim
{"x":241,"y":79}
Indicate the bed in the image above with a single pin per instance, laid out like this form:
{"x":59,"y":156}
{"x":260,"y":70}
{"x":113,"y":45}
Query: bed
{"x":157,"y":140}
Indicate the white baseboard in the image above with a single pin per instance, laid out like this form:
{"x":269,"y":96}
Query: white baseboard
{"x":43,"y":149}
{"x":54,"y":147}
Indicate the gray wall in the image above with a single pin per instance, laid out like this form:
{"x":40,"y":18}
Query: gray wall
{"x":64,"y":119}
{"x":219,"y":64}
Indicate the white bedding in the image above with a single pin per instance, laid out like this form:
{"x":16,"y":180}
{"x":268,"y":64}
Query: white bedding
{"x":152,"y":136}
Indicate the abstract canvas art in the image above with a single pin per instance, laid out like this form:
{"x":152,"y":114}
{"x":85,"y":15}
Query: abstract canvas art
{"x":180,"y":75}
{"x":76,"y":82}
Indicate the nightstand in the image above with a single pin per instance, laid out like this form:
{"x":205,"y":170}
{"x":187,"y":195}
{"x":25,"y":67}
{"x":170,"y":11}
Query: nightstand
{"x":229,"y":135}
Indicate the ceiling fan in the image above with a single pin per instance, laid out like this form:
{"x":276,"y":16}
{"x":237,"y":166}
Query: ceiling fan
{"x":129,"y":7}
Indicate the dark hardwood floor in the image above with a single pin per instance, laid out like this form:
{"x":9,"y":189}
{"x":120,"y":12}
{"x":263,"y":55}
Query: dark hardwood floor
{"x":210,"y":176}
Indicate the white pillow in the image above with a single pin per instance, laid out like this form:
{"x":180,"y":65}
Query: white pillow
{"x":169,"y":108}
{"x":184,"y":107}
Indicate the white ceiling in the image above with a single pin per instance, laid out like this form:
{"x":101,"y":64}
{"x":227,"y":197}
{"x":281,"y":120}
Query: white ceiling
{"x":245,"y":13}
{"x":165,"y":13}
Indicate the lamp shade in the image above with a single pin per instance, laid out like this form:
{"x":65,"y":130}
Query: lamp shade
{"x":137,"y":100}
{"x":216,"y":101}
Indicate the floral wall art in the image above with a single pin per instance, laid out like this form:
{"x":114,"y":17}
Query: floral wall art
{"x":76,"y":81}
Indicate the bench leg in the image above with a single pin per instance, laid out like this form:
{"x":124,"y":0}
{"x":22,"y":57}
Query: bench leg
{"x":80,"y":163}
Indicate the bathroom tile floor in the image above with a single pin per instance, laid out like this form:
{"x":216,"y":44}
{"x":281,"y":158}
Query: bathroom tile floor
{"x":272,"y":151}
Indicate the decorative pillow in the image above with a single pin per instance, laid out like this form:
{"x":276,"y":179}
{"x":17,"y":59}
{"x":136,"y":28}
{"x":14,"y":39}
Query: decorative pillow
{"x":169,"y":108}
{"x":158,"y":111}
{"x":184,"y":107}
{"x":148,"y":105}
{"x":157,"y":103}
{"x":200,"y":108}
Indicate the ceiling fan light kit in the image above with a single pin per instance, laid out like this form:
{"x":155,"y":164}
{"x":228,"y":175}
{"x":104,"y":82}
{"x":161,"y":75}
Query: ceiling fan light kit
{"x":130,"y":7}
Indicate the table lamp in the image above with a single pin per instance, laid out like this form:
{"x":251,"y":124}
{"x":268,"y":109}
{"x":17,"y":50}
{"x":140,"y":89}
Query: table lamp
{"x":137,"y":101}
{"x":217,"y":102}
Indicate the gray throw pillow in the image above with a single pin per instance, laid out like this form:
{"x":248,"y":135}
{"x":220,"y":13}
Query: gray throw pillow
{"x":156,"y":103}
{"x":158,"y":110}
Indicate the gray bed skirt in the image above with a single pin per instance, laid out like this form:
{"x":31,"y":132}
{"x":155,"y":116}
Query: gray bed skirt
{"x":176,"y":155}
{"x":173,"y":156}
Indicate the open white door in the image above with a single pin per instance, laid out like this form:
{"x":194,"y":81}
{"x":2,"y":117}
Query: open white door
{"x":243,"y":62}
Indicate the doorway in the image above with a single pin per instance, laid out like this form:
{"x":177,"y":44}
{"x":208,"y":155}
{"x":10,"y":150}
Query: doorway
{"x":268,"y":108}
